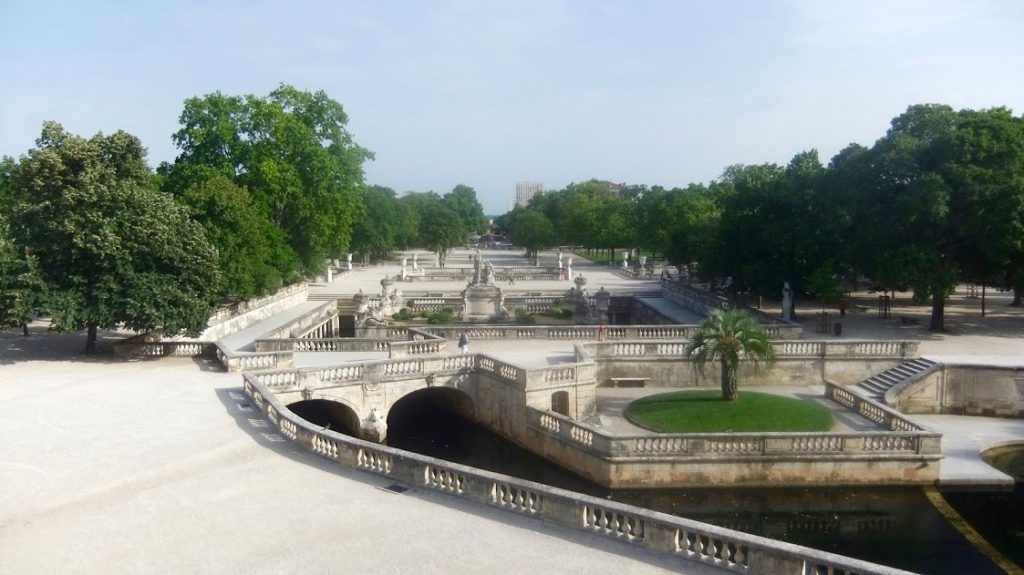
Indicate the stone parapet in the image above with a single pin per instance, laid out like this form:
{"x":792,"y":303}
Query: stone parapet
{"x":656,"y":532}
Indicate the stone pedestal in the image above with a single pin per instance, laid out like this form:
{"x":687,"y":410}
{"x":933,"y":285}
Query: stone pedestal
{"x":482,"y":303}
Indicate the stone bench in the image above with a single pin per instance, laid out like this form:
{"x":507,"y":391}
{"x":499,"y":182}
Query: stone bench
{"x":629,"y":381}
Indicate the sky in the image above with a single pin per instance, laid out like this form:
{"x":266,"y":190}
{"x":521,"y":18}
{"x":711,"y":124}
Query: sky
{"x":488,"y":93}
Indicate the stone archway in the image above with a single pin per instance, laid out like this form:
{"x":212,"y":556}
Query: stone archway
{"x":327,"y":413}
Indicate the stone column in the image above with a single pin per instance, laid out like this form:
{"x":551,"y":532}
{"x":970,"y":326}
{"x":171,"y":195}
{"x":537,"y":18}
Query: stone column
{"x":330,"y":273}
{"x":415,"y":262}
{"x":348,"y":262}
{"x":568,"y":269}
{"x":405,"y":271}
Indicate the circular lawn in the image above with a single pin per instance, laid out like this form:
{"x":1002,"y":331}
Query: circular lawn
{"x":704,"y":411}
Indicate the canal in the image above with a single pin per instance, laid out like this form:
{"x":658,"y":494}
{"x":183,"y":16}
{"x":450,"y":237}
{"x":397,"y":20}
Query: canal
{"x":887,"y":525}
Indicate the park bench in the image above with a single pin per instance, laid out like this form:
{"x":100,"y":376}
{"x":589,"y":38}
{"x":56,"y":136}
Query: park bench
{"x":629,"y":381}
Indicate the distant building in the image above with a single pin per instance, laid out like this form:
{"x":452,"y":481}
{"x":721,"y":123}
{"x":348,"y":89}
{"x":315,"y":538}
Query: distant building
{"x":615,"y":189}
{"x":526,"y":190}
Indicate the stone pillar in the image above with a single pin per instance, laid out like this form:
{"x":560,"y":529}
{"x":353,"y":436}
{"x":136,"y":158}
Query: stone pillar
{"x":348,"y":262}
{"x":643,"y":261}
{"x":415,"y":262}
{"x":330,"y":273}
{"x":405,"y":271}
{"x":625,"y":260}
{"x":568,"y":269}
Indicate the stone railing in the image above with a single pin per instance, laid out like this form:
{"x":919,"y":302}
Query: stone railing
{"x":242,"y":360}
{"x":398,"y":349}
{"x":433,"y":304}
{"x":910,"y":440}
{"x":384,"y":333}
{"x":143,"y":345}
{"x":657,"y":532}
{"x":244,"y":314}
{"x":327,"y":344}
{"x":783,"y":349}
{"x":882,"y":415}
{"x":306,"y":323}
{"x":561,"y":332}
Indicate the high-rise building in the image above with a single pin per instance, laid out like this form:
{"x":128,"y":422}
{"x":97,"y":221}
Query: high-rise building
{"x":526,"y":190}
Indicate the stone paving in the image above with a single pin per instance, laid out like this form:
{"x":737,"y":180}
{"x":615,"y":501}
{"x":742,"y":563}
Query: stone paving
{"x":155,"y":466}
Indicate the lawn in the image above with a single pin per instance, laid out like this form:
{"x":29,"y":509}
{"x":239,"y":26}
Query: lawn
{"x":704,"y":411}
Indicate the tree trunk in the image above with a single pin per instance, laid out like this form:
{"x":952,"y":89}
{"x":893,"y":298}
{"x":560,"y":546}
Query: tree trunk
{"x":938,"y":320}
{"x":90,"y":340}
{"x":24,"y":328}
{"x":1016,"y":298}
{"x":730,"y":388}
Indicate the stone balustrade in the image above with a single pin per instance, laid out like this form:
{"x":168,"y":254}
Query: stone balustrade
{"x":783,"y":349}
{"x":884,"y":416}
{"x":326,"y":344}
{"x":142,"y":345}
{"x":398,"y":349}
{"x":656,"y":532}
{"x":704,"y":303}
{"x":911,"y":440}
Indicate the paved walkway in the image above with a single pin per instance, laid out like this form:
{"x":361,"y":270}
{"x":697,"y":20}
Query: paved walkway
{"x":153,"y":467}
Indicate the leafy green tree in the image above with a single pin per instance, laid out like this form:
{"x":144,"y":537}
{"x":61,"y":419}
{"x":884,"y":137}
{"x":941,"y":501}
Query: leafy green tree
{"x":21,"y":290}
{"x":462,"y":200}
{"x":730,"y":337}
{"x":532,"y":230}
{"x":110,"y":251}
{"x":377,"y":233}
{"x":254,"y":257}
{"x":440,"y":227}
{"x":291,"y":151}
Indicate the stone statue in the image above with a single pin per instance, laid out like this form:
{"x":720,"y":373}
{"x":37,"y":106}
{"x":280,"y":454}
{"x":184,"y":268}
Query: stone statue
{"x":787,"y":302}
{"x":476,"y":270}
{"x":488,"y":277}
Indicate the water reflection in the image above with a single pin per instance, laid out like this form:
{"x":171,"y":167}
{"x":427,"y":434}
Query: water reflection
{"x":891,"y":526}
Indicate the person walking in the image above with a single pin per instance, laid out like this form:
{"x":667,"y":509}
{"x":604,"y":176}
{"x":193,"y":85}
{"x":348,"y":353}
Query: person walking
{"x":464,"y":342}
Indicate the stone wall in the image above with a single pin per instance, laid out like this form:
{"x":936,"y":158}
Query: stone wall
{"x":964,"y":390}
{"x":229,"y":321}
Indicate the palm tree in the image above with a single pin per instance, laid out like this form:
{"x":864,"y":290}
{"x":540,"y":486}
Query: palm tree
{"x":730,"y":336}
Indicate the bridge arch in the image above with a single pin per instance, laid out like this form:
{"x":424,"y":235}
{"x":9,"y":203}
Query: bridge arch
{"x":449,"y":399}
{"x":335,"y":415}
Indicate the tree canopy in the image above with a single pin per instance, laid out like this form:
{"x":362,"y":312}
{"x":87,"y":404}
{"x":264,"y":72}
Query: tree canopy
{"x":291,"y":151}
{"x":109,"y":250}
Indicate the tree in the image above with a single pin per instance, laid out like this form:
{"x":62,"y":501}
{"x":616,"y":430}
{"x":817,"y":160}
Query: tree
{"x":730,"y":337}
{"x":376,"y":234}
{"x":110,"y":251}
{"x":440,"y":227}
{"x":21,"y":290}
{"x":532,"y":230}
{"x":462,"y":200}
{"x":291,"y":151}
{"x":254,"y":257}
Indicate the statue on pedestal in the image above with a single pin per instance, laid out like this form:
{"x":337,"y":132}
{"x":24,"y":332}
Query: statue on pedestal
{"x":787,"y":302}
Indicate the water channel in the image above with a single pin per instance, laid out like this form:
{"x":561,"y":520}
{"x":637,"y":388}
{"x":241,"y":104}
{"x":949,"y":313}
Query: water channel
{"x":891,"y":526}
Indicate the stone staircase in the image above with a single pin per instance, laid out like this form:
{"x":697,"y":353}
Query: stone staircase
{"x":875,"y":386}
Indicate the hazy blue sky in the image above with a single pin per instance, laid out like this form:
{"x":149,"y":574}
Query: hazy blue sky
{"x":487,"y":93}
